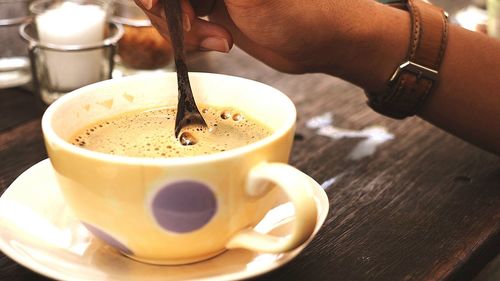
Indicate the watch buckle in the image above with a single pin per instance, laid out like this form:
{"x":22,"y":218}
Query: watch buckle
{"x":419,"y":70}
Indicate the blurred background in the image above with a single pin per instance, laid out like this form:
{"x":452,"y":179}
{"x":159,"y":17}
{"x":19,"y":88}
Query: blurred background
{"x":140,"y":47}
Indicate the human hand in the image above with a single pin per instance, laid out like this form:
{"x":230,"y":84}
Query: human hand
{"x":291,"y":36}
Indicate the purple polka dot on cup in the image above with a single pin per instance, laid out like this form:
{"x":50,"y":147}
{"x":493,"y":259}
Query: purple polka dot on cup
{"x":110,"y":240}
{"x":184,"y":206}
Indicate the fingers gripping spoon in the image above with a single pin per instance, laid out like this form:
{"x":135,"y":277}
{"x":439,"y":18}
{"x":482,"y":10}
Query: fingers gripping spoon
{"x":187,"y":111}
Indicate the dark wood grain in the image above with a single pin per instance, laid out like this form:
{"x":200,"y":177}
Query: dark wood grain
{"x":20,"y":148}
{"x":491,"y":272}
{"x":17,"y":106}
{"x":425,"y":206}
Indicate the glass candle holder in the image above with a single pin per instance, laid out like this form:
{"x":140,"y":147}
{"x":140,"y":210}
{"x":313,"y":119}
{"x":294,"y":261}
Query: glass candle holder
{"x":71,"y":44}
{"x":142,"y":47}
{"x":14,"y":62}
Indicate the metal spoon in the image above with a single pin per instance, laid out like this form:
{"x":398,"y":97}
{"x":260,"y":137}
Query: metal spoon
{"x":187,"y":111}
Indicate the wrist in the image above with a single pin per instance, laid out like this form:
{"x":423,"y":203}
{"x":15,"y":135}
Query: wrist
{"x":367,"y":49}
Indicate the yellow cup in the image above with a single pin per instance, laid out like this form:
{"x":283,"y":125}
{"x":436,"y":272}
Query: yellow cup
{"x":186,"y":209}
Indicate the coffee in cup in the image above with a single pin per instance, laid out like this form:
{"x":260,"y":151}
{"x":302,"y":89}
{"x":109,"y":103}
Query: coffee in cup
{"x":150,"y":133}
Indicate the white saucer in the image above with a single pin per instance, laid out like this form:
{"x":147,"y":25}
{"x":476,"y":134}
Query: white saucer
{"x":38,"y":231}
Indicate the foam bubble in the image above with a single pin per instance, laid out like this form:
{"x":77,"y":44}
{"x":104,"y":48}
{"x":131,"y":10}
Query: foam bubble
{"x":225,"y":115}
{"x":237,"y":117}
{"x":187,"y":138}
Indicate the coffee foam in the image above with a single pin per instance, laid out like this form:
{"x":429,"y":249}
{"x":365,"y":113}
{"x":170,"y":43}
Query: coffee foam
{"x":150,"y":133}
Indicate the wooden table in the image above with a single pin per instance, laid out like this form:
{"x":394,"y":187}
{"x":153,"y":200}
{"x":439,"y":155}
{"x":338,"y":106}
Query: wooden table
{"x":424,"y":206}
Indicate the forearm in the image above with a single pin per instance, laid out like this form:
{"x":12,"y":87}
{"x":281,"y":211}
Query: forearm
{"x":466,"y":101}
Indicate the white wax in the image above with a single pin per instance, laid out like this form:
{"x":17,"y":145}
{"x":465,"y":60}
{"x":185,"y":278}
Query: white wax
{"x":73,"y":24}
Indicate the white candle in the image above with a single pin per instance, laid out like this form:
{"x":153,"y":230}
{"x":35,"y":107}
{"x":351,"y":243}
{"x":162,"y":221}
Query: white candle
{"x":73,"y":24}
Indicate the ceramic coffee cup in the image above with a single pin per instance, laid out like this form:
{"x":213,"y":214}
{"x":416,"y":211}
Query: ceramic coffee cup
{"x":186,"y":209}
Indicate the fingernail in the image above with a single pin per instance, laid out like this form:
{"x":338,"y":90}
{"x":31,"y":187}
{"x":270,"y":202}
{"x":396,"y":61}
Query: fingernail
{"x":186,"y":23}
{"x":215,"y":44}
{"x":148,"y":4}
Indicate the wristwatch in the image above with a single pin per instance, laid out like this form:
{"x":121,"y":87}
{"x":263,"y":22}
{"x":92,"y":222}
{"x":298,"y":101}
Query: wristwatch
{"x":417,"y":76}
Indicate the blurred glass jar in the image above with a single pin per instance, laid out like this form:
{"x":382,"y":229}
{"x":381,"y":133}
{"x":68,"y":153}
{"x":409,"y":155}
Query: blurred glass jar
{"x":494,"y":18}
{"x":142,"y":47}
{"x":479,"y":3}
{"x":14,"y":62}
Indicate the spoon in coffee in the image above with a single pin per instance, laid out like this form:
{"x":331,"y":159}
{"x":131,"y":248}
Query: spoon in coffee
{"x":187,"y":111}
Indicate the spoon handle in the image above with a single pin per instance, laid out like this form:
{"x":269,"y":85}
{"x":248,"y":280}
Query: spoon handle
{"x":186,"y":105}
{"x":173,"y":12}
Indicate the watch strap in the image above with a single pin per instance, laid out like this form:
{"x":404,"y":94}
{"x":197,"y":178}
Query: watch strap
{"x":414,"y":79}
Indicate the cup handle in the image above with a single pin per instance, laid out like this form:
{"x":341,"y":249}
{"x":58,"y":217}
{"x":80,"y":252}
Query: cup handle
{"x":297,"y":186}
